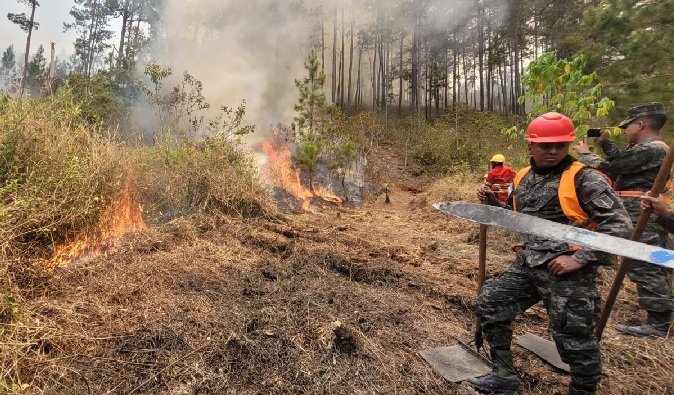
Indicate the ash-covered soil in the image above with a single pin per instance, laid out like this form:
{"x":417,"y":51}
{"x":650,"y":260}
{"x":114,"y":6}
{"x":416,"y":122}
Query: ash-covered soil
{"x":335,"y":302}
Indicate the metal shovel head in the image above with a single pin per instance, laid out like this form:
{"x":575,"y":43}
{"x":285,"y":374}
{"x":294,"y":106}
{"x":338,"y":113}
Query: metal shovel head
{"x":455,"y":363}
{"x":545,"y":349}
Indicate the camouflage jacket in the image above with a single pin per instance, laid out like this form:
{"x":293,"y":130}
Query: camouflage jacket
{"x":632,"y":169}
{"x":537,"y":196}
{"x":667,"y":222}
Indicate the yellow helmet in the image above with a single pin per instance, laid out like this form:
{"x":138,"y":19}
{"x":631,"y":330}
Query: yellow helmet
{"x":497,"y":158}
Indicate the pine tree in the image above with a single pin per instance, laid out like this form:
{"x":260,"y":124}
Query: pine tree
{"x":27,"y":25}
{"x":311,"y":109}
{"x":37,"y":70}
{"x":92,"y":18}
{"x":631,"y":49}
{"x":311,"y":104}
{"x":8,"y":63}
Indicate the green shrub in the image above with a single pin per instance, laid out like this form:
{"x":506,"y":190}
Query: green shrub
{"x":463,"y":140}
{"x":213,"y":177}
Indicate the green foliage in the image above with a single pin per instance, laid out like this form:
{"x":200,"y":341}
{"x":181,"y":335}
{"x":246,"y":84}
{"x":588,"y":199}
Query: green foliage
{"x":8,"y":59}
{"x":180,"y":110}
{"x":96,"y":99}
{"x":631,"y":49}
{"x":58,"y":174}
{"x":21,"y":19}
{"x":561,"y":86}
{"x":463,"y":141}
{"x":91,"y":21}
{"x":345,"y":154}
{"x":230,"y":122}
{"x":310,"y":106}
{"x":215,"y":177}
{"x":308,"y":150}
{"x":53,"y":172}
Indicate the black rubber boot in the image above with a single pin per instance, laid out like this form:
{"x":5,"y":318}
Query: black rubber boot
{"x":657,"y":325}
{"x":502,"y":379}
{"x":575,"y":389}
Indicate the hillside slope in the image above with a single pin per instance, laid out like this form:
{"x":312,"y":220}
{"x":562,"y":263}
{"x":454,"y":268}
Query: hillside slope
{"x":335,"y":302}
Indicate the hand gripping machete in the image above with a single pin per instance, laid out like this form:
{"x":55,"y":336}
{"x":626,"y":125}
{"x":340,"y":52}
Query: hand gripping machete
{"x":527,"y":224}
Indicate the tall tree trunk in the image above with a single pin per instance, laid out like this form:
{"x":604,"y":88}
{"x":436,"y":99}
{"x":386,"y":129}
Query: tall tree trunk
{"x":122,"y":36}
{"x":400,"y":75}
{"x":350,"y":58}
{"x":455,"y":75}
{"x":341,"y":67}
{"x":517,"y":92}
{"x":490,"y":68}
{"x":446,"y":72}
{"x":90,"y":42}
{"x":374,"y":80}
{"x":334,"y":55}
{"x":26,"y":58}
{"x":358,"y":78}
{"x":322,"y":45}
{"x":465,"y":76}
{"x":414,"y":95}
{"x":52,"y":71}
{"x":480,"y":49}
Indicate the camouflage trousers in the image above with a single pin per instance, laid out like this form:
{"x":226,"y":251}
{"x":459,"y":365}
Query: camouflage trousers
{"x":573,"y":305}
{"x":654,"y":283}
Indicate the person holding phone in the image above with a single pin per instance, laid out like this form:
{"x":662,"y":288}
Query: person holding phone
{"x":633,"y":171}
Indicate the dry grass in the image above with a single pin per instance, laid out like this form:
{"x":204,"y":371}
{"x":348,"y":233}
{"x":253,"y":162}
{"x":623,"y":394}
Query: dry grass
{"x":57,"y":177}
{"x":231,"y":298}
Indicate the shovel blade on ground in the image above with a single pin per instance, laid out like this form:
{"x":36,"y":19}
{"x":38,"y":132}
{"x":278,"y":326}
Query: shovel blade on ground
{"x":545,"y":349}
{"x":455,"y":363}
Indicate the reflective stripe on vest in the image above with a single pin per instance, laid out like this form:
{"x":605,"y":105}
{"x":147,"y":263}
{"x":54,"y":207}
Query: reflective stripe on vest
{"x":568,"y":198}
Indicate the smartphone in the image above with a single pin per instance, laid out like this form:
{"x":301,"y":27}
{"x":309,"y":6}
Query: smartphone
{"x":594,"y":132}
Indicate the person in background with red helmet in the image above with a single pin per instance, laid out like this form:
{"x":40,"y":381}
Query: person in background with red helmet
{"x":558,"y":188}
{"x":499,"y":178}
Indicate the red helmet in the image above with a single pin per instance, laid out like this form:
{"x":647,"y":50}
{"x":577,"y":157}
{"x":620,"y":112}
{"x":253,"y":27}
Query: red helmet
{"x":551,"y":127}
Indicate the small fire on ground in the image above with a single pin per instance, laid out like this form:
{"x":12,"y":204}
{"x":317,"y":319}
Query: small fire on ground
{"x":121,"y":217}
{"x":282,"y":174}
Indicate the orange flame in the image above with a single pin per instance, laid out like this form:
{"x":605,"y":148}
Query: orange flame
{"x":282,"y":174}
{"x":122,"y":216}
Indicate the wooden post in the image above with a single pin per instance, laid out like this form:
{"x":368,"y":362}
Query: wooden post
{"x":52,"y":72}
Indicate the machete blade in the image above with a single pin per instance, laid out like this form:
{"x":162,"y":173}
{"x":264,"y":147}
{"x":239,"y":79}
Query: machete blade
{"x":527,"y":224}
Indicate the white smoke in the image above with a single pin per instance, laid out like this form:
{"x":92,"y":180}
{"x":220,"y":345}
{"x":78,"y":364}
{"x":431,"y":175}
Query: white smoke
{"x":255,"y":49}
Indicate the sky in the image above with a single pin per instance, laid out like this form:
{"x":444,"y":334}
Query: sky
{"x":50,"y":15}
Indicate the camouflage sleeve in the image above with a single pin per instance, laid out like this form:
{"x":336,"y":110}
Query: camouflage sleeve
{"x":605,"y":208}
{"x":609,"y":148}
{"x":667,"y":222}
{"x":638,"y":158}
{"x":590,"y":159}
{"x":593,"y":160}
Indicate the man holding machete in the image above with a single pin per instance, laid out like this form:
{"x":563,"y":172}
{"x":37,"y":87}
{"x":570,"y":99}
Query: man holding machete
{"x":634,"y":170}
{"x":558,"y":188}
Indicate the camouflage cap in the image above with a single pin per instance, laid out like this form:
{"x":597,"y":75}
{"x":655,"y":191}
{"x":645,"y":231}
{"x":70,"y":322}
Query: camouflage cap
{"x":642,"y":110}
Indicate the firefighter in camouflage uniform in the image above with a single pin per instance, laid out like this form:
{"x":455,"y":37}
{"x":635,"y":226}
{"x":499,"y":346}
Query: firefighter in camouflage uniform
{"x":634,"y":170}
{"x":558,"y":188}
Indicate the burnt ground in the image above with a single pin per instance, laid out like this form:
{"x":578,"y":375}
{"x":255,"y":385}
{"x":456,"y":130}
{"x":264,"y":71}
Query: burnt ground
{"x":335,"y":302}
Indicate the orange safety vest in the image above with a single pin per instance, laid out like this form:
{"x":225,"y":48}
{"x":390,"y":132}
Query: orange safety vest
{"x":568,"y":198}
{"x":666,"y":191}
